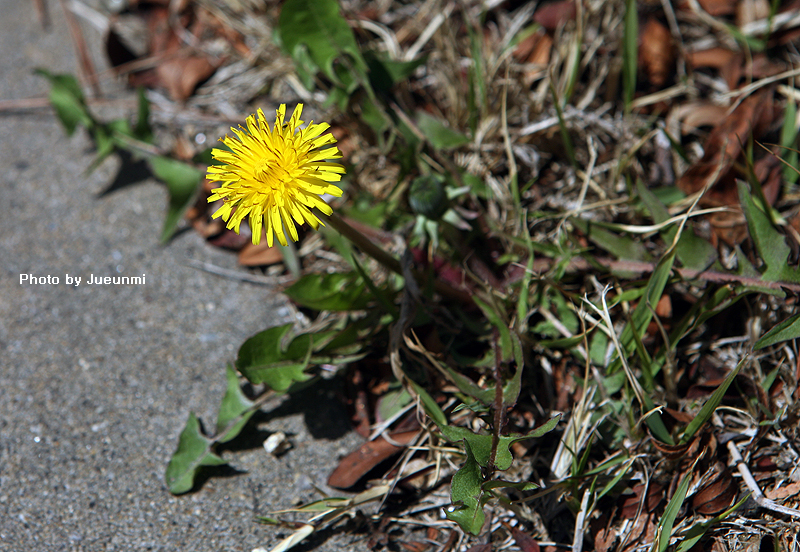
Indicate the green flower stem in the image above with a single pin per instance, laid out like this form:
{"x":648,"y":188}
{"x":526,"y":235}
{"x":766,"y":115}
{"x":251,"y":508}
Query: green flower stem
{"x":389,"y":261}
{"x":362,"y":242}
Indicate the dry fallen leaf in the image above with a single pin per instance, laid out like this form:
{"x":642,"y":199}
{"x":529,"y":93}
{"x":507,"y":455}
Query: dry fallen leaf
{"x":642,"y":531}
{"x":718,"y":493}
{"x":534,"y":51}
{"x":722,"y":148}
{"x":358,"y":463}
{"x":525,"y":542}
{"x":693,"y":115}
{"x":630,"y":504}
{"x":170,"y":63}
{"x":552,"y":15}
{"x":656,"y":52}
{"x":259,"y":255}
{"x":783,"y":492}
{"x":727,"y":62}
{"x":717,"y":7}
{"x":228,"y":239}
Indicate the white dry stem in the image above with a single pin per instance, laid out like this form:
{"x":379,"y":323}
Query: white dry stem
{"x":98,"y":20}
{"x":238,"y":276}
{"x":647,"y":228}
{"x":587,"y":179}
{"x":562,"y":329}
{"x":758,"y":496}
{"x":607,"y":327}
{"x":328,"y":516}
{"x":588,"y":208}
{"x":750,"y":88}
{"x":429,"y":31}
{"x":792,"y":93}
{"x":591,"y":90}
{"x":576,"y":435}
{"x":388,"y":37}
{"x":383,"y":426}
{"x":518,"y":21}
{"x":580,"y":523}
{"x":780,"y":21}
{"x":706,"y":18}
{"x":663,"y":95}
{"x":570,"y":113}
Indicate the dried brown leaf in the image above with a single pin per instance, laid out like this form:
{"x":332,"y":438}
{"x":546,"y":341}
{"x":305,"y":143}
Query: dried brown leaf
{"x":604,"y":539}
{"x":718,"y":7}
{"x":786,"y":491}
{"x":525,"y":542}
{"x":722,"y":148}
{"x":180,"y":76}
{"x":629,"y":504}
{"x":415,"y":546}
{"x":358,"y":463}
{"x":642,"y":531}
{"x":672,"y":452}
{"x":229,"y":239}
{"x":552,"y":15}
{"x":656,"y":52}
{"x":693,"y":115}
{"x":718,"y":493}
{"x":727,"y":62}
{"x":259,"y":255}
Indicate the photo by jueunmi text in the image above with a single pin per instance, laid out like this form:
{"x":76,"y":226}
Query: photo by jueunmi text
{"x":115,"y":280}
{"x":92,"y":280}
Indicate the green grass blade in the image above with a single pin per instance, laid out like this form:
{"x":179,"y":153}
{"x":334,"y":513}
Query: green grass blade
{"x":788,"y":142}
{"x":562,"y":126}
{"x":698,"y":531}
{"x":671,"y":512}
{"x":786,"y":330}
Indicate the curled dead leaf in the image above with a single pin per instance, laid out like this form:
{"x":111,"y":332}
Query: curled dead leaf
{"x":718,"y":492}
{"x":604,"y":539}
{"x":642,"y":531}
{"x":693,"y":115}
{"x":769,"y":171}
{"x":180,"y":76}
{"x":671,"y":452}
{"x":169,"y":63}
{"x":630,"y":503}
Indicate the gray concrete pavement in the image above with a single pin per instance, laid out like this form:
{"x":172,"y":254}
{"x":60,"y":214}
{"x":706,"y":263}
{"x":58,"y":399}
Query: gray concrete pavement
{"x":96,"y":382}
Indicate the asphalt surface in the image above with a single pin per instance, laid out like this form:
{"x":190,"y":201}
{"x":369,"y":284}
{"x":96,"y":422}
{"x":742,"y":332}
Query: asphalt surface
{"x":96,"y":381}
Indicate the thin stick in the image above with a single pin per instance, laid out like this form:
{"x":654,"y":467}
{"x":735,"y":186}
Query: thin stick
{"x":758,"y":496}
{"x":81,"y":50}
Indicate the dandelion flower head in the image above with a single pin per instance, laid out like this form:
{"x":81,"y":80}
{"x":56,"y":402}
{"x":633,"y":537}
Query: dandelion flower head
{"x":275,"y":175}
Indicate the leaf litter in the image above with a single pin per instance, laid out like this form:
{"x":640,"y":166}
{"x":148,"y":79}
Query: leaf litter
{"x":620,"y":372}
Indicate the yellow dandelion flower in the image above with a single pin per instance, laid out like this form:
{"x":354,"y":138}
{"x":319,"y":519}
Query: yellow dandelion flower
{"x":276,"y":176}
